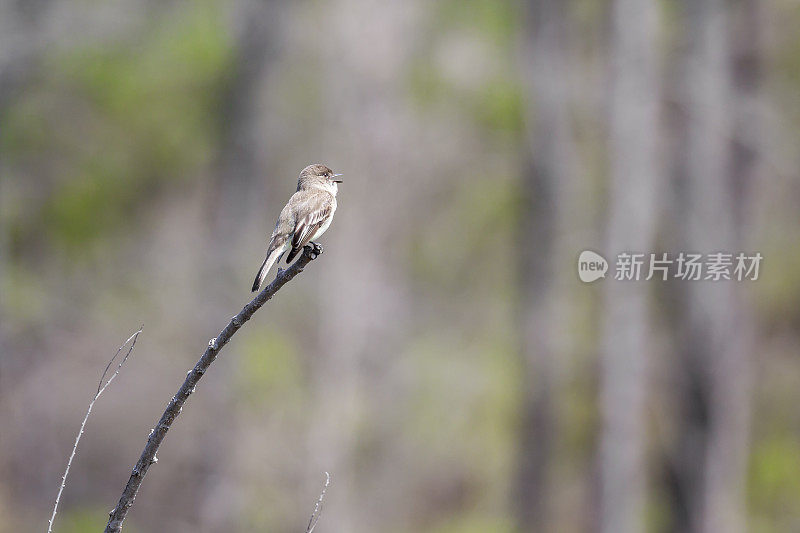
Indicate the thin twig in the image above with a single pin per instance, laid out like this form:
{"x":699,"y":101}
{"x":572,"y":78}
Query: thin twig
{"x":157,"y":434}
{"x":101,"y":386}
{"x":312,"y":522}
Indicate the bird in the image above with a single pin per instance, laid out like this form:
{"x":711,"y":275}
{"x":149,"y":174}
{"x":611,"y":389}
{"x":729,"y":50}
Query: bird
{"x":306,"y":216}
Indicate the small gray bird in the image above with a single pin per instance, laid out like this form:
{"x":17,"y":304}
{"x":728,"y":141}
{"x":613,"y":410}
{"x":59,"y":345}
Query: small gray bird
{"x":305,"y":218}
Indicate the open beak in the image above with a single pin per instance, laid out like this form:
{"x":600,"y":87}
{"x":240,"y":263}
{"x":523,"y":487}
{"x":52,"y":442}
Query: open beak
{"x":334,"y":178}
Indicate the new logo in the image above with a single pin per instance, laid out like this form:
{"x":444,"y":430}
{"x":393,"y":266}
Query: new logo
{"x":591,"y":266}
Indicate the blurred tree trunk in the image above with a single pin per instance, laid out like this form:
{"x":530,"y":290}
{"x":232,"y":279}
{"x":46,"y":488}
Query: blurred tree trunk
{"x":715,"y":331}
{"x":361,"y":317}
{"x":238,"y":209}
{"x":238,"y":185}
{"x":21,"y":45}
{"x":747,"y":37}
{"x":634,"y":178}
{"x":548,"y":153}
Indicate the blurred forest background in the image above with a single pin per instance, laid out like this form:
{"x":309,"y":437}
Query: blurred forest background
{"x":441,"y":360}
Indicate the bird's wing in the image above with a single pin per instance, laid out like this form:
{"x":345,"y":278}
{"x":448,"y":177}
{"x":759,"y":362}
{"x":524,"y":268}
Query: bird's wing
{"x":312,"y":213}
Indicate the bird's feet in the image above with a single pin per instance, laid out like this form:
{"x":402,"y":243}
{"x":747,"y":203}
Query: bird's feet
{"x":315,"y":249}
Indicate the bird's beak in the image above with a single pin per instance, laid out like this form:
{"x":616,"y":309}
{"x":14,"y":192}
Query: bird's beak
{"x":336,"y":176}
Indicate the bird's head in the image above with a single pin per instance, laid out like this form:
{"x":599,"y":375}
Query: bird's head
{"x":318,"y":177}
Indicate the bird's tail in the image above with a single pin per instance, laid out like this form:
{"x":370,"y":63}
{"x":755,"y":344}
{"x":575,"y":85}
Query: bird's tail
{"x":270,"y":260}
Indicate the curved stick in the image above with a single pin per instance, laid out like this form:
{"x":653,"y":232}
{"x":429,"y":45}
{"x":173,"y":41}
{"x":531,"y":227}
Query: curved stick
{"x":101,"y":386}
{"x":157,"y":434}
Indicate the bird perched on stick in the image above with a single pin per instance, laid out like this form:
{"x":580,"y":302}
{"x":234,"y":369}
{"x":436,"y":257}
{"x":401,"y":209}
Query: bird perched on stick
{"x":305,"y":218}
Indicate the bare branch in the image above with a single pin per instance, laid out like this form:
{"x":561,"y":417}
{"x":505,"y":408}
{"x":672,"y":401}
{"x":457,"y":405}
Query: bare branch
{"x":312,"y":522}
{"x":157,"y":434}
{"x":100,"y":388}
